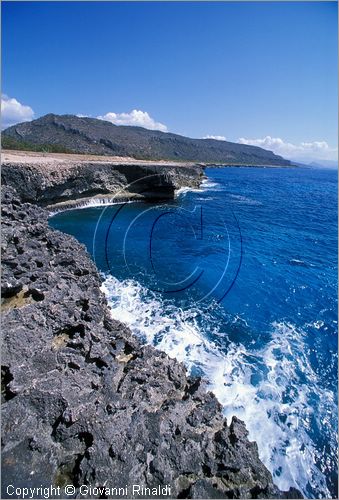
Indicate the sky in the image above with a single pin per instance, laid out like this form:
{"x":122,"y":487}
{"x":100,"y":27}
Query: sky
{"x":262,"y":73}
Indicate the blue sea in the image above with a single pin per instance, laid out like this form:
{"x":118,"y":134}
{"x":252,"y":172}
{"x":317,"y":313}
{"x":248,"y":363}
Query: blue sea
{"x":238,"y":280}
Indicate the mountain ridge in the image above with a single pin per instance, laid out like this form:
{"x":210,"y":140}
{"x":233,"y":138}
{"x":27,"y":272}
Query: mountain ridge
{"x":73,"y":134}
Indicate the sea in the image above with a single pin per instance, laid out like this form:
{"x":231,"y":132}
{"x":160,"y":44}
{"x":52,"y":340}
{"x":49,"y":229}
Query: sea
{"x":238,"y":280}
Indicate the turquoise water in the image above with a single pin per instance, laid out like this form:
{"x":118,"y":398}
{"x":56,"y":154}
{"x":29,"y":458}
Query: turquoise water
{"x":239,"y":281}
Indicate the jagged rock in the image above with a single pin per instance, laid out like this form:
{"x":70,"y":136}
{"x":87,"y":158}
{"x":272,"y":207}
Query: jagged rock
{"x":61,"y":182}
{"x":84,"y":403}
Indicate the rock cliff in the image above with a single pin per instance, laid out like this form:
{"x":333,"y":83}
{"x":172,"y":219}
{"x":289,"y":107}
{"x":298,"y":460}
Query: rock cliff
{"x":84,"y":403}
{"x":59,"y":180}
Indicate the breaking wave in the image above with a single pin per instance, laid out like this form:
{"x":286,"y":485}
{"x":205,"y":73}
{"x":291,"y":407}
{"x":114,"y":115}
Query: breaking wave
{"x":274,"y":389}
{"x":94,"y":202}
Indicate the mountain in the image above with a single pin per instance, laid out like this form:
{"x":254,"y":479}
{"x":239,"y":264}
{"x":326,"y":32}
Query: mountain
{"x":332,"y":164}
{"x":325,"y":163}
{"x":69,"y":133}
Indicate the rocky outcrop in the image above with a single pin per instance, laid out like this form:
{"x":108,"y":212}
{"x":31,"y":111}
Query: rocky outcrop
{"x":84,"y":403}
{"x":59,"y":181}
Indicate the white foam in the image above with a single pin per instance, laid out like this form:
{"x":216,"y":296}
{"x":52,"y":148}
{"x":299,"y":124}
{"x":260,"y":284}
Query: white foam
{"x":277,"y":408}
{"x":92,"y":203}
{"x":272,"y":389}
{"x":186,"y":189}
{"x":208,"y":184}
{"x":245,"y":199}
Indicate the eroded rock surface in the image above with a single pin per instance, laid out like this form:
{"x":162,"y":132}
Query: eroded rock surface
{"x":56,"y":180}
{"x":84,"y":402}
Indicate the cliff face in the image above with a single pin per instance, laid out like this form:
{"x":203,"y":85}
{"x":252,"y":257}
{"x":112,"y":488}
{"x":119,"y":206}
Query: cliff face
{"x":84,"y":403}
{"x":50,"y":181}
{"x":71,"y":133}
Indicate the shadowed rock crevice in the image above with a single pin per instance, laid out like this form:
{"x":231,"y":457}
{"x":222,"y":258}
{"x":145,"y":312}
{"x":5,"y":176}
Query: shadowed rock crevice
{"x":6,"y":379}
{"x":59,"y":183}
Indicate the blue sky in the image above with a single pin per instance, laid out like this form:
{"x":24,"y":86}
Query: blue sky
{"x":264,"y":73}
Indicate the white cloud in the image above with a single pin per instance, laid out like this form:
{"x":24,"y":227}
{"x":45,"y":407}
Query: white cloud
{"x":12,"y":112}
{"x":135,"y":117}
{"x":304,"y":151}
{"x":216,"y":137}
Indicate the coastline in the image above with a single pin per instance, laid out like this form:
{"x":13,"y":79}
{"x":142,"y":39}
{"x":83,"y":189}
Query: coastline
{"x":50,"y":178}
{"x":49,"y":281}
{"x":39,"y":158}
{"x":63,"y":181}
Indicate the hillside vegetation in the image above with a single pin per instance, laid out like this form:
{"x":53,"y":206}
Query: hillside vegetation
{"x":71,"y":134}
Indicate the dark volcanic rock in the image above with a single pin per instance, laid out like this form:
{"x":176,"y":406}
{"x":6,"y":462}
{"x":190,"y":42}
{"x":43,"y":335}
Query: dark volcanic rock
{"x":70,"y":181}
{"x":84,"y":403}
{"x":71,"y":133}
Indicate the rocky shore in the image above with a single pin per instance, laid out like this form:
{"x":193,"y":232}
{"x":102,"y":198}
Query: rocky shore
{"x":84,"y":403}
{"x":59,"y":181}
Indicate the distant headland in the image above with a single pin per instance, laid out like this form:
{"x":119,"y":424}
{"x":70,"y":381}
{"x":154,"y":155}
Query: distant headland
{"x":72,"y":134}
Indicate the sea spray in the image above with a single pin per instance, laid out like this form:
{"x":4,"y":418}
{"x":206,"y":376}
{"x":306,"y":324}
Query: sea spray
{"x":269,"y":350}
{"x":273,"y":389}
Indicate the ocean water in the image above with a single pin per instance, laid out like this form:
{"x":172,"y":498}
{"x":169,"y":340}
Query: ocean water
{"x":239,"y":281}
